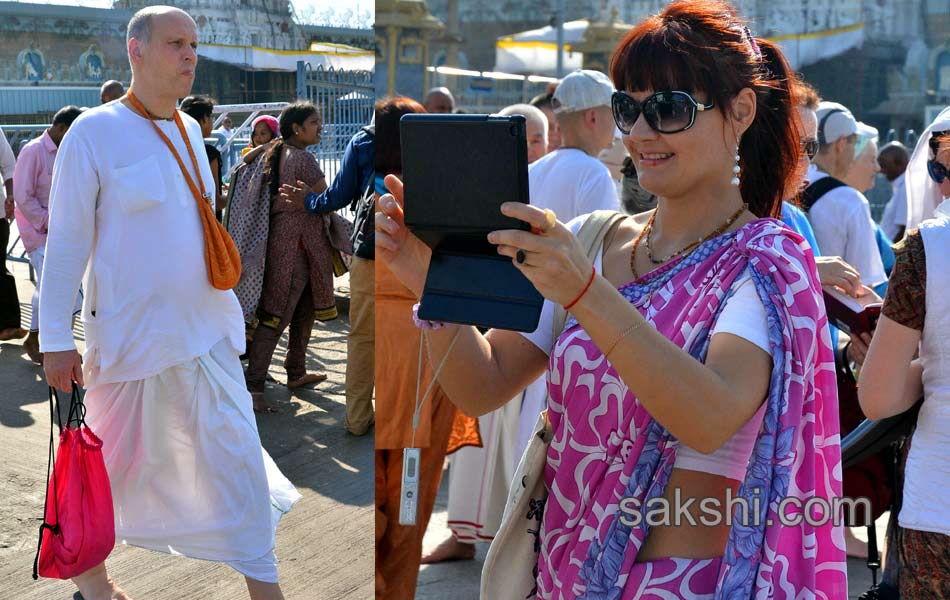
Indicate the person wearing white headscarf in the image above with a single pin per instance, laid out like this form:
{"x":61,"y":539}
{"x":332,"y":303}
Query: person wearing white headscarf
{"x":909,"y":358}
{"x":923,"y":193}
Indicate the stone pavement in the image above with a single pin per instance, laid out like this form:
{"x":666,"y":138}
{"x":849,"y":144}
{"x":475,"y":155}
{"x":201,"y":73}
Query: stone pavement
{"x":325,"y":544}
{"x":460,"y":580}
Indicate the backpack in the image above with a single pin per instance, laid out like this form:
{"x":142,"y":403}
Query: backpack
{"x":814,"y":192}
{"x":364,"y":208}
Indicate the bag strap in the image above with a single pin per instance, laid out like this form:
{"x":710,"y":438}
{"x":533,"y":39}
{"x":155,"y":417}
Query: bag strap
{"x":221,"y":255}
{"x":814,"y":192}
{"x":591,"y":236}
{"x":54,"y":527}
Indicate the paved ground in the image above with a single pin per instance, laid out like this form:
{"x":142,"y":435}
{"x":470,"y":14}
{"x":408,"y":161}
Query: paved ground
{"x":459,"y":580}
{"x":325,"y":544}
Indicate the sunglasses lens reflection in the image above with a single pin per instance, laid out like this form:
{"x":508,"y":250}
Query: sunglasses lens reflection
{"x":665,"y":112}
{"x":668,"y":114}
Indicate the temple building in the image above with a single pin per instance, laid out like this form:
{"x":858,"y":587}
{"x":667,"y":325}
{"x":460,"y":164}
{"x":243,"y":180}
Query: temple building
{"x":53,"y":55}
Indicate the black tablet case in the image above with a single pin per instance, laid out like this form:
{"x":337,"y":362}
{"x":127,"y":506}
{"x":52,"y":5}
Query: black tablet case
{"x":457,"y":171}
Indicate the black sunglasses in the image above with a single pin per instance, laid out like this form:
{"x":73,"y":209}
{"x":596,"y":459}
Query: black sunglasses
{"x":810,"y":148}
{"x":665,"y":112}
{"x":936,"y":170}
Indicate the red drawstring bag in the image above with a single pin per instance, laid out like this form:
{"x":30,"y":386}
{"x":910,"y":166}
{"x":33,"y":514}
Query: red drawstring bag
{"x":78,"y":530}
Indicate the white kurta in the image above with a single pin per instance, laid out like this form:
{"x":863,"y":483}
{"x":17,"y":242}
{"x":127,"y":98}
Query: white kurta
{"x":166,"y":389}
{"x":120,"y":206}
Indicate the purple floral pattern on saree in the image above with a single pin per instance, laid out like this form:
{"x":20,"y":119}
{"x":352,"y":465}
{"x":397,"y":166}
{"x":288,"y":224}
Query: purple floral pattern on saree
{"x":606,"y":447}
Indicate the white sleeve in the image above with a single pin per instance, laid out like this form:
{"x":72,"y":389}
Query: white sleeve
{"x":826,"y":222}
{"x":744,"y":315}
{"x":72,"y":225}
{"x":597,"y":191}
{"x":7,"y":160}
{"x":543,"y":337}
{"x":861,"y":249}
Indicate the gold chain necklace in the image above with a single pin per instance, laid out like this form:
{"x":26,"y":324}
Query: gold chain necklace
{"x":648,"y":229}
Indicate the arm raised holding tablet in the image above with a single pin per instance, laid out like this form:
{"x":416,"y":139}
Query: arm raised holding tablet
{"x":497,"y":365}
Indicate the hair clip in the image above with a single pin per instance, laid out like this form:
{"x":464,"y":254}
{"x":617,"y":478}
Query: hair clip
{"x":755,"y":45}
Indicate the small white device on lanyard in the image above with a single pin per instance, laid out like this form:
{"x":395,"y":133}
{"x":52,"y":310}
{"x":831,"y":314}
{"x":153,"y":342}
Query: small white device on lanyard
{"x":409,"y":491}
{"x":409,"y":494}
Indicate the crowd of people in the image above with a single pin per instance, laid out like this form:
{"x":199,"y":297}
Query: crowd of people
{"x":696,"y":360}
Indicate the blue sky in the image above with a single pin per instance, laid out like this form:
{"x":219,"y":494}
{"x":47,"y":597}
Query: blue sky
{"x":352,"y":13}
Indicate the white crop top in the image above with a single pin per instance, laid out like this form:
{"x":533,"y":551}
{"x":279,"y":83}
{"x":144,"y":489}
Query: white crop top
{"x":742,"y":315}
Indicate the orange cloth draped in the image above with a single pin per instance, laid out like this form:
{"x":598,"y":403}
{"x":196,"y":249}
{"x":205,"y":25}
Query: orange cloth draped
{"x":221,"y":255}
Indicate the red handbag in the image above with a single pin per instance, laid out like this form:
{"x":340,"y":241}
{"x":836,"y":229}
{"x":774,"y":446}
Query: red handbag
{"x":78,"y":530}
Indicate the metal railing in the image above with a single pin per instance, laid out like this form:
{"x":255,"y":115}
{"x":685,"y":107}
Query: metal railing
{"x":19,"y":135}
{"x":345,"y":100}
{"x":231,"y":146}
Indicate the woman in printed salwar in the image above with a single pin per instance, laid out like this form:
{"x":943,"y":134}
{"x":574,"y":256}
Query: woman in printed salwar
{"x":695,"y":363}
{"x":297,"y":285}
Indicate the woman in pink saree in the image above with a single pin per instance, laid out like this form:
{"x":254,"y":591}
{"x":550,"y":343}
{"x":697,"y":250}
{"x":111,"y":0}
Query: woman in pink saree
{"x":695,"y":366}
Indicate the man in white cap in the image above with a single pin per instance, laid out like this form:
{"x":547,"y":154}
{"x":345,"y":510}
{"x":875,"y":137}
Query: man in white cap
{"x":840,"y":214}
{"x":571,"y":181}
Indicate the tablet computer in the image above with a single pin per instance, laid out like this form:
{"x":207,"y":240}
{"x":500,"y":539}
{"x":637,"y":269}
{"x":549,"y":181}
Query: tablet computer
{"x":457,"y":171}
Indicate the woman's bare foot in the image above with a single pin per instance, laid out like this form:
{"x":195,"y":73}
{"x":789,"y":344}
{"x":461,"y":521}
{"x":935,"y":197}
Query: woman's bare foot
{"x":308,"y":379}
{"x":854,"y":547}
{"x":449,"y":550}
{"x":261,"y":405}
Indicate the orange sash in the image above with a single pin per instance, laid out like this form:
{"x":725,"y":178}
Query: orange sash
{"x":221,"y":255}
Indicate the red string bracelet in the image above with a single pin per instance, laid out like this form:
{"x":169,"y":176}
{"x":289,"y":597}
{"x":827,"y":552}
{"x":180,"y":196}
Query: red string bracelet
{"x":593,"y":273}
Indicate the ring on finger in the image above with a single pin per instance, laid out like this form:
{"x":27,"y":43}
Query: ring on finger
{"x":520,"y":257}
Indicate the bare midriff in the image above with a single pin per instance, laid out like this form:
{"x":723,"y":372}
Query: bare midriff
{"x":687,"y":540}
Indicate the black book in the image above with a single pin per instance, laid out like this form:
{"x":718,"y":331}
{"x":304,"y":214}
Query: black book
{"x":457,"y":171}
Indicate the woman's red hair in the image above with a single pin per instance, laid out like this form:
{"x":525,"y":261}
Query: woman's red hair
{"x":703,"y":46}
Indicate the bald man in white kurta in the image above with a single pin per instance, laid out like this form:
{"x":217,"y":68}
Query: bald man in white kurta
{"x":165,"y":386}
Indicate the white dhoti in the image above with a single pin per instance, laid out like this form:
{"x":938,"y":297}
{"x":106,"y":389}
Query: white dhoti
{"x":188,"y":473}
{"x":479,"y":477}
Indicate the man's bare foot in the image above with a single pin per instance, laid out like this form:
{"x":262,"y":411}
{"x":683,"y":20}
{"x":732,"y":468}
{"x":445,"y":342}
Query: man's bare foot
{"x":449,"y":550}
{"x":32,"y":347}
{"x":13,"y":333}
{"x":95,"y":584}
{"x":116,"y":593}
{"x":854,"y":547}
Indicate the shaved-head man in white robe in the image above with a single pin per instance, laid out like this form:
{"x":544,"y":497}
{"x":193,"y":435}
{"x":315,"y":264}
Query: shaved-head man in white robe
{"x":165,"y":388}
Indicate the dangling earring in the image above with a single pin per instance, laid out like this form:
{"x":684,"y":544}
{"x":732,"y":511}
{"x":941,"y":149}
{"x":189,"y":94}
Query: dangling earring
{"x":736,"y":170}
